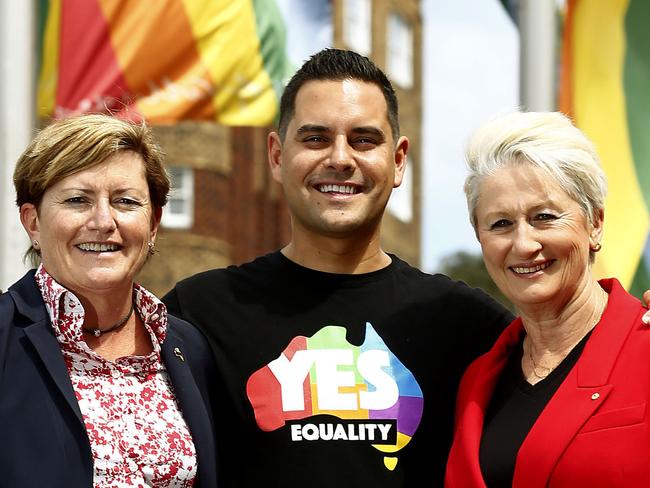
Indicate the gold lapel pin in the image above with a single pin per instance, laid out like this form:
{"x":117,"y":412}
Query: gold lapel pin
{"x":179,"y":354}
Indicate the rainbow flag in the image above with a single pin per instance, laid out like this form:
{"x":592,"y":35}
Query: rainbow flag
{"x":163,"y":60}
{"x":605,"y":87}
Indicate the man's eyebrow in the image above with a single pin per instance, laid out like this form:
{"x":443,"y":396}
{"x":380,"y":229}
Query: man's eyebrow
{"x":370,"y":129}
{"x":321,"y":129}
{"x":312,"y":128}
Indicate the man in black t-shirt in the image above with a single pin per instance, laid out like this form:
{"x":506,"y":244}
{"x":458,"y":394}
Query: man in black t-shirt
{"x":338,"y":363}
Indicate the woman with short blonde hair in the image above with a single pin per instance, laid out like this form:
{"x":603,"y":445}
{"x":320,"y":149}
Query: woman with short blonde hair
{"x":99,"y":386}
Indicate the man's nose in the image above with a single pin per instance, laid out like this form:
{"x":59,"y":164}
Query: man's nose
{"x":342,"y":155}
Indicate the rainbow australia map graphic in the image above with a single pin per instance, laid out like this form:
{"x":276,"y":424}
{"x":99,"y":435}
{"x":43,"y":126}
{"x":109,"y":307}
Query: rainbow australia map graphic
{"x":326,"y":389}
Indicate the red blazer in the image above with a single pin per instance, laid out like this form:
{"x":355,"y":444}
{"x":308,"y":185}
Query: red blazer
{"x":595,"y":431}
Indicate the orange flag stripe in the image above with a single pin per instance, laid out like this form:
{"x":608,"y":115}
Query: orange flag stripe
{"x":158,"y":55}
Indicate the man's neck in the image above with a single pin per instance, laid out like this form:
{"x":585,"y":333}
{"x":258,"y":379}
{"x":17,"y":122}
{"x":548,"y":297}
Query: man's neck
{"x":338,"y":255}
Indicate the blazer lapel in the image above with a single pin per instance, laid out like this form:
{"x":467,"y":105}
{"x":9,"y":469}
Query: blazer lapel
{"x":580,"y":395}
{"x":555,"y":428}
{"x":479,"y":393}
{"x":191,"y":403}
{"x":29,"y":303}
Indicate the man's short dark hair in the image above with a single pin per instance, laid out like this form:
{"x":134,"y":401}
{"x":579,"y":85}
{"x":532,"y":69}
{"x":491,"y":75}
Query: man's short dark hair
{"x":337,"y":64}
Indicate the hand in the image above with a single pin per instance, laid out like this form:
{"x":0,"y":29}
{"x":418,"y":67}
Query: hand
{"x":646,"y":300}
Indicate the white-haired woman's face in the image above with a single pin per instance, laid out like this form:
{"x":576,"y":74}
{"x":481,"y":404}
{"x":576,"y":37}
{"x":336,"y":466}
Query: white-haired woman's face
{"x":535,"y":238}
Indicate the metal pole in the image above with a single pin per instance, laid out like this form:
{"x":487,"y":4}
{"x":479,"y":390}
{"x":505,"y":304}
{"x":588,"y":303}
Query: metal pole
{"x":537,"y":27}
{"x":17,"y":73}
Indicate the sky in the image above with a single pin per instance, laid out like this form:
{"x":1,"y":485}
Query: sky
{"x":471,"y":73}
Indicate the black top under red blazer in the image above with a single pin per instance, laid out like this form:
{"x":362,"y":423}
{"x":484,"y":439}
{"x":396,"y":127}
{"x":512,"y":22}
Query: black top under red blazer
{"x":595,"y":430}
{"x":43,"y":439}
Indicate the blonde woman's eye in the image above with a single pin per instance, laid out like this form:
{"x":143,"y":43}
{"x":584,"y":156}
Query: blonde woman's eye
{"x":128,"y":202}
{"x":75,"y":200}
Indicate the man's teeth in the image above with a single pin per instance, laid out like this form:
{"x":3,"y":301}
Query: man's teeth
{"x":337,"y":189}
{"x":96,"y":247}
{"x":520,"y":270}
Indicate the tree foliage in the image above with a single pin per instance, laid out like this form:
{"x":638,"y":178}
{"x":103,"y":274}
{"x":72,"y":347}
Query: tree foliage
{"x":469,"y":268}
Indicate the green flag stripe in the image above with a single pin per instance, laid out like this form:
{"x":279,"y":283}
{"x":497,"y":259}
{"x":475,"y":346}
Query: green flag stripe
{"x":641,"y":280}
{"x":272,"y":36}
{"x":637,"y":94}
{"x":637,"y":98}
{"x":43,"y":9}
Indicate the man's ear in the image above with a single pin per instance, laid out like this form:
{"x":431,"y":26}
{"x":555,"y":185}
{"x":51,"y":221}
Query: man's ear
{"x":274,"y":145}
{"x":401,"y":150}
{"x":29,"y":219}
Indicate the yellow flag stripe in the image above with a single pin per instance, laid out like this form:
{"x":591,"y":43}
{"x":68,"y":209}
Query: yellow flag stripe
{"x":599,"y":55}
{"x":227,"y":39}
{"x":48,"y":76}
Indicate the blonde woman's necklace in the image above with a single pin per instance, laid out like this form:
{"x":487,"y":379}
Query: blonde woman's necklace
{"x":97,"y":332}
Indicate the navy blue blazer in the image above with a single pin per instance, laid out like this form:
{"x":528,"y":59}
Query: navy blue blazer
{"x":43,"y":440}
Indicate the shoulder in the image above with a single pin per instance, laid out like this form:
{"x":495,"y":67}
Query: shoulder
{"x":455,"y":293}
{"x":469,"y":318}
{"x":6,"y":307}
{"x":22,"y":302}
{"x":186,"y":332}
{"x":20,"y":306}
{"x":200,"y":295}
{"x":187,"y":340}
{"x":7,"y":319}
{"x":251,"y":271}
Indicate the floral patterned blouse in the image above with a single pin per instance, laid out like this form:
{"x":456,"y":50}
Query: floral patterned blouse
{"x":137,"y":433}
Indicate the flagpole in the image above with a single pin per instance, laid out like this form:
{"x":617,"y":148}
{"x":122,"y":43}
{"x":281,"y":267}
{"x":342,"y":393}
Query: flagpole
{"x":17,"y":74}
{"x":537,"y":28}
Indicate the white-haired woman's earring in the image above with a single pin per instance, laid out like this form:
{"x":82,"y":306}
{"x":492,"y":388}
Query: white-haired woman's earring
{"x":152,"y":248}
{"x":597,"y":247}
{"x":36,"y":245}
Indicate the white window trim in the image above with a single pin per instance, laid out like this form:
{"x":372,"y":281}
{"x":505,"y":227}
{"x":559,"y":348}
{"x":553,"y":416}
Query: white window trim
{"x":357,"y":25}
{"x":399,"y":37}
{"x":185,"y":193}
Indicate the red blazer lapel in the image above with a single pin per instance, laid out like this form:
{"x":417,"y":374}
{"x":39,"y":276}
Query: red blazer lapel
{"x":463,"y":469}
{"x":555,"y":428}
{"x":580,"y":395}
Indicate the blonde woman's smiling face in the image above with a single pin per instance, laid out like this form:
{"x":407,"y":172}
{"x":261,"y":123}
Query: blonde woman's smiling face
{"x":93,"y":227}
{"x":535,"y":238}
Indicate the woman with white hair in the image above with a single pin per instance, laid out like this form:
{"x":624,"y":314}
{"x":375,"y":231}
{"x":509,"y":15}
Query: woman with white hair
{"x":560,"y":400}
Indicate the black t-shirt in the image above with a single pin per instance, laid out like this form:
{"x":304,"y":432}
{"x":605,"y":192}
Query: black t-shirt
{"x":514,"y":408}
{"x":321,"y":374}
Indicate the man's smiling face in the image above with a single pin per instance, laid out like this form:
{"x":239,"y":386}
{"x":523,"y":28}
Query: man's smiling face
{"x":339,"y":162}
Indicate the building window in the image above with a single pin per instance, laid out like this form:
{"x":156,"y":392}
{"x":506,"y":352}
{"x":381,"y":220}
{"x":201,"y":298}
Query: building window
{"x":400,"y":204}
{"x":357,"y":26}
{"x":179,"y":211}
{"x":400,"y":51}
